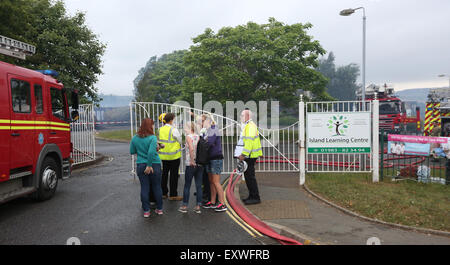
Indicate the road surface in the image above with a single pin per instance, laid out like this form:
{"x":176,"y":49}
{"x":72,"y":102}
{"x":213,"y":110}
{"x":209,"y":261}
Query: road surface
{"x":101,"y":205}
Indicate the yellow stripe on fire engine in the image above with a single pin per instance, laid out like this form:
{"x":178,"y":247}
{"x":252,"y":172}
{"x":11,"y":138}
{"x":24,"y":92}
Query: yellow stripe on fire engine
{"x":39,"y":128}
{"x":40,"y":122}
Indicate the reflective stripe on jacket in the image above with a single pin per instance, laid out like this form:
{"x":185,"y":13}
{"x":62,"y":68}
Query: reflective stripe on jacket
{"x":172,"y":148}
{"x":252,"y":143}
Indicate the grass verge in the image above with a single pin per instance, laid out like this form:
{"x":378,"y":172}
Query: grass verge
{"x":404,"y":202}
{"x":116,"y":135}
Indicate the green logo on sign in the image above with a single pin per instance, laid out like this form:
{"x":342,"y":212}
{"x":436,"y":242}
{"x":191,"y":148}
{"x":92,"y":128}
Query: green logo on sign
{"x":338,"y":124}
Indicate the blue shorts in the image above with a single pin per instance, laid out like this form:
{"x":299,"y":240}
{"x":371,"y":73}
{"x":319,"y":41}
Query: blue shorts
{"x":215,"y":167}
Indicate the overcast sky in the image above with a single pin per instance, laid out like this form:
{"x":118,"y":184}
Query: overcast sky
{"x":408,"y":41}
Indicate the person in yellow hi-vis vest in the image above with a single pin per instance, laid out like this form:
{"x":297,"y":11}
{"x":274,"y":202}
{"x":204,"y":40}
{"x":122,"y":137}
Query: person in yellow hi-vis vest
{"x":249,"y":152}
{"x":170,"y":156}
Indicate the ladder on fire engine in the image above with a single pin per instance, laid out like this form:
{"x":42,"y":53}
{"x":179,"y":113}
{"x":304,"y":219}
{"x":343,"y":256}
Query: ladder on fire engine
{"x":15,"y":48}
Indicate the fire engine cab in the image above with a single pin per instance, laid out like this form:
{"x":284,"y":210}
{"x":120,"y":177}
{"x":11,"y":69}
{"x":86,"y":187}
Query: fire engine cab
{"x":35,"y":142}
{"x":393,"y":117}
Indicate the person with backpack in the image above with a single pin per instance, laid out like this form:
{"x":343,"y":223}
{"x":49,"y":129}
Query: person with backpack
{"x":193,"y":170}
{"x":206,"y":190}
{"x":215,"y":165}
{"x":148,"y":165}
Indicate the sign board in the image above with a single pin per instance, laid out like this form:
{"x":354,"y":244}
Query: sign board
{"x":338,"y":132}
{"x":418,"y":145}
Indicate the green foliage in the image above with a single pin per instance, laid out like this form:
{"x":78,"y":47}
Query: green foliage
{"x":162,"y":82}
{"x":63,"y":43}
{"x":342,"y":80}
{"x":287,"y":120}
{"x":255,"y":62}
{"x":247,"y":62}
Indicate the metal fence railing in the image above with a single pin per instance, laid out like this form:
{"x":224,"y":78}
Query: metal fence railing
{"x":83,"y":135}
{"x":280,"y":150}
{"x":427,"y":168}
{"x":279,"y":145}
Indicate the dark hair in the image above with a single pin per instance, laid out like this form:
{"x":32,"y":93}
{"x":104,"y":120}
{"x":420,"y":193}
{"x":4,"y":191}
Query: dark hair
{"x":169,"y":117}
{"x":146,"y":128}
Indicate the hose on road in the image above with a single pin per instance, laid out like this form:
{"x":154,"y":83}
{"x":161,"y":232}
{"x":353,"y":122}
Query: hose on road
{"x":249,"y":218}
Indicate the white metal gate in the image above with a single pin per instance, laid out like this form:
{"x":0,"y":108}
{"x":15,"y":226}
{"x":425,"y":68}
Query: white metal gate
{"x":280,"y":147}
{"x":82,"y":134}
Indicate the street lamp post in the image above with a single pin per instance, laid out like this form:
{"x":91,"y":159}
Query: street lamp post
{"x":348,"y":12}
{"x":448,"y":79}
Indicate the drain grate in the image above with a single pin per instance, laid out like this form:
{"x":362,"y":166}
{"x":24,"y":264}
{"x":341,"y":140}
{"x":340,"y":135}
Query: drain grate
{"x":280,"y":209}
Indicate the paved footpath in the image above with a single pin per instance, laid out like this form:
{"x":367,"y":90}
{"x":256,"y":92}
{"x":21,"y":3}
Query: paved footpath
{"x":321,"y":221}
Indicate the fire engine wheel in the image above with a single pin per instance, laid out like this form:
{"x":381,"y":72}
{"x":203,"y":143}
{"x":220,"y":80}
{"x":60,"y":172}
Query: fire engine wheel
{"x":48,"y":179}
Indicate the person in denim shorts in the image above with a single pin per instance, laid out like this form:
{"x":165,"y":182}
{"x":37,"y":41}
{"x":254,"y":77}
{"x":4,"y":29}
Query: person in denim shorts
{"x":215,"y":166}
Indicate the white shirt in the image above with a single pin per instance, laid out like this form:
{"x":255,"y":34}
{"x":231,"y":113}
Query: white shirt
{"x":398,"y":149}
{"x":393,"y":146}
{"x":240,"y":144}
{"x":195,"y":138}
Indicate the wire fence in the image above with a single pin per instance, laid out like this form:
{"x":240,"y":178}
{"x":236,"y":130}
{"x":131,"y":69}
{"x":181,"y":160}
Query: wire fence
{"x":427,"y":168}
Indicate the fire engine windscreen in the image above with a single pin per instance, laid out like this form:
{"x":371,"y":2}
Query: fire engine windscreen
{"x":392,"y":107}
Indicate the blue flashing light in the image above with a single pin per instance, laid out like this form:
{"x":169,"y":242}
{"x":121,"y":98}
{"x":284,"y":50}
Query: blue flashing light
{"x":52,"y":73}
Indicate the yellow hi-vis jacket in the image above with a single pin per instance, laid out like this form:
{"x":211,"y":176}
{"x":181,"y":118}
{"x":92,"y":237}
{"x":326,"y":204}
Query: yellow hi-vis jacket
{"x":252,"y":143}
{"x":172,"y":148}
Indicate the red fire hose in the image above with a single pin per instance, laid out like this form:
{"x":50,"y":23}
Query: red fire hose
{"x":252,"y":220}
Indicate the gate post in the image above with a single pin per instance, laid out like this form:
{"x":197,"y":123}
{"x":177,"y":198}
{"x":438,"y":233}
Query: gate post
{"x":93,"y":129}
{"x":301,"y":132}
{"x":131,"y":132}
{"x":375,"y":141}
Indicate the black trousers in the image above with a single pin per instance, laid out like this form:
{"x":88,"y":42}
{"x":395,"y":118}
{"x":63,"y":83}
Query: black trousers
{"x":170,"y":172}
{"x":206,"y":188}
{"x":250,"y":179}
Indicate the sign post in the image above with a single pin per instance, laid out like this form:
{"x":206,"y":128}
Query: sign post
{"x":301,"y":131}
{"x":376,"y":142}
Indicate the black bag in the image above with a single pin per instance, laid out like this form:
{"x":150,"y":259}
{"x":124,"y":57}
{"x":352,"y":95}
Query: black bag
{"x":202,"y":155}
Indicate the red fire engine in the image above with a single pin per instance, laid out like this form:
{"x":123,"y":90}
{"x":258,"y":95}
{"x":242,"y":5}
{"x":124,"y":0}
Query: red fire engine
{"x":34,"y":127}
{"x":393,"y":117}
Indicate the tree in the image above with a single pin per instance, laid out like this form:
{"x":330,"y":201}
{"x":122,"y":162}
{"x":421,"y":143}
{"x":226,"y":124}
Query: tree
{"x":255,"y":62}
{"x":163,"y":79}
{"x":141,"y":86}
{"x":63,"y":43}
{"x":327,"y":67}
{"x":341,"y":80}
